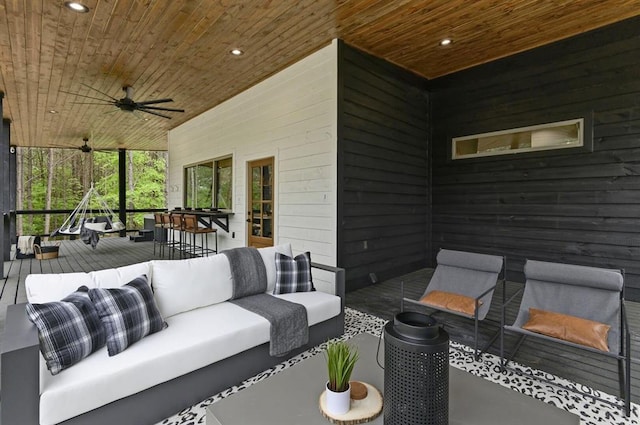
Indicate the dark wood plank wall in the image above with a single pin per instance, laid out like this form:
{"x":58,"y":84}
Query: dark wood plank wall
{"x":383,"y":132}
{"x":567,"y":205}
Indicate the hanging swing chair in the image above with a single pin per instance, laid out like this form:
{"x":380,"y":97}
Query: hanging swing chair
{"x":79,"y":223}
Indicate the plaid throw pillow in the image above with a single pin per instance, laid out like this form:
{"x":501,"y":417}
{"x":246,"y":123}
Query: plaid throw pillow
{"x":69,"y":330}
{"x":293,"y":274}
{"x":129,"y":313}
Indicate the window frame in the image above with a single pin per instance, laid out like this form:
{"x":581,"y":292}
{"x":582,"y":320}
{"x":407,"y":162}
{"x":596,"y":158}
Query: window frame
{"x":583,"y":139}
{"x":215,"y":183}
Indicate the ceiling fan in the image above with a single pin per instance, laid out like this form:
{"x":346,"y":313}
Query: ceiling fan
{"x":128,"y":104}
{"x":85,"y":148}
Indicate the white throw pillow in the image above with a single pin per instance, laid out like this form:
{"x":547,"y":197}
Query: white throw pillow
{"x":46,"y":288}
{"x":185,"y":285}
{"x":269,"y":258}
{"x":98,"y":227}
{"x":115,"y":278}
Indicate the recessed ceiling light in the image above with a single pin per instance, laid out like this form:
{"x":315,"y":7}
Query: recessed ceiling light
{"x":445,"y":41}
{"x":76,"y":6}
{"x":236,"y":52}
{"x":53,"y":111}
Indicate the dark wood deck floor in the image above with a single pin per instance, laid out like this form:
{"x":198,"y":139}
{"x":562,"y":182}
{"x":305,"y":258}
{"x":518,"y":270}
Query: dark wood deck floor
{"x":382,"y":300}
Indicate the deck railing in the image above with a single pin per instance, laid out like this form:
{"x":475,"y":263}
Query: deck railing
{"x":89,"y":211}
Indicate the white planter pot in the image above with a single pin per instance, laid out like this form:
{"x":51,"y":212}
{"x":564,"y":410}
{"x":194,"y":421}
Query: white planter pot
{"x":338,"y":403}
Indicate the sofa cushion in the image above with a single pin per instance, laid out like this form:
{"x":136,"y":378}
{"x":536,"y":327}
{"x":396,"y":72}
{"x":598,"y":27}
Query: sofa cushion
{"x":192,"y":340}
{"x":320,"y":306}
{"x":186,"y":345}
{"x":184,"y":285}
{"x":69,"y":330}
{"x":293,"y":274}
{"x":45,"y":288}
{"x":269,"y":257}
{"x":129,"y":313}
{"x":114,"y":278}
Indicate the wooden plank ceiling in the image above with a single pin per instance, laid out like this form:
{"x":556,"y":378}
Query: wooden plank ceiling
{"x":180,"y":49}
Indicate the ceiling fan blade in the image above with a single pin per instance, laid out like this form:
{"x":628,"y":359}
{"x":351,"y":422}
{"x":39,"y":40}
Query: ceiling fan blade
{"x":106,"y":103}
{"x":151,"y":102}
{"x":157,"y":108}
{"x":110,"y":97}
{"x":81,"y":95}
{"x":154,"y":113}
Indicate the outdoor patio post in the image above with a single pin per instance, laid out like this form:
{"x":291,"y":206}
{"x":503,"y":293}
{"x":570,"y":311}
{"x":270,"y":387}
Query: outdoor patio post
{"x":13,"y":190}
{"x":4,"y":157}
{"x":8,"y":212}
{"x":122,"y":188}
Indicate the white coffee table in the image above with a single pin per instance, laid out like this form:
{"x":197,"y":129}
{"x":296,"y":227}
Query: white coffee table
{"x":291,"y":397}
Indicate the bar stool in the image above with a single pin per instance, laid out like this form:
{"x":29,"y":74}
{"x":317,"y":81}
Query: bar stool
{"x":177,"y":225}
{"x":159,"y":234}
{"x":191,"y":228}
{"x":168,"y":228}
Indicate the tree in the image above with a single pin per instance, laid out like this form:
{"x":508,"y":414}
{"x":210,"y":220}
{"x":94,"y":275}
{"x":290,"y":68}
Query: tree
{"x":58,"y":179}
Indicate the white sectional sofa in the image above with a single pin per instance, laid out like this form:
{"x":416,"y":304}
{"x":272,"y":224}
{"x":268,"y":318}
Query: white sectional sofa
{"x":209,"y":345}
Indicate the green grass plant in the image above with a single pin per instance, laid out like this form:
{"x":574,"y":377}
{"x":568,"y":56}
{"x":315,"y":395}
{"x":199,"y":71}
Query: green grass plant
{"x":341,"y":358}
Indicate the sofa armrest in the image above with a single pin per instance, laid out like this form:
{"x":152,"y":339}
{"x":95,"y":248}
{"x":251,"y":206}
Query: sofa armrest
{"x":20,"y":366}
{"x":338,"y":283}
{"x":338,"y":288}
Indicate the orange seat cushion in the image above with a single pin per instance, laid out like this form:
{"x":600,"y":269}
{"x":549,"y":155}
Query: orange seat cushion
{"x":569,"y":328}
{"x":451,"y":301}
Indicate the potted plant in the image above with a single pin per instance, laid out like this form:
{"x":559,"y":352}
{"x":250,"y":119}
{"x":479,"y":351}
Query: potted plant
{"x":341,"y":358}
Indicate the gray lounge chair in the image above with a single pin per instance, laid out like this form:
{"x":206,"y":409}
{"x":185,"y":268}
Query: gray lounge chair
{"x":469,"y":274}
{"x":586,"y":292}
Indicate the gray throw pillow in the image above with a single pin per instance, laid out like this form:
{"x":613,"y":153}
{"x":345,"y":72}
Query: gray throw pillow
{"x":293,"y":274}
{"x":129,"y":313}
{"x":69,"y":330}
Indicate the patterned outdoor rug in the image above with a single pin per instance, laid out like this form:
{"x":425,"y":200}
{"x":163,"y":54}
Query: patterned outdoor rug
{"x":591,"y":411}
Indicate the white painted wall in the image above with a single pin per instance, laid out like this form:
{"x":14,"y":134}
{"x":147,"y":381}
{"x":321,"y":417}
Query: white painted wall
{"x":291,"y":116}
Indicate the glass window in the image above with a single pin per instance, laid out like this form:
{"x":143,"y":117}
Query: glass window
{"x":564,"y":134}
{"x":209,"y":184}
{"x":223,"y":183}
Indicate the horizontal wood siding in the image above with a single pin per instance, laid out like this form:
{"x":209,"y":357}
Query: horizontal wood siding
{"x":383,"y":169}
{"x":290,"y":116}
{"x":570,"y":205}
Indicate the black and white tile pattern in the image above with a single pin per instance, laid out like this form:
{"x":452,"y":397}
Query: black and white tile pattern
{"x":591,"y":411}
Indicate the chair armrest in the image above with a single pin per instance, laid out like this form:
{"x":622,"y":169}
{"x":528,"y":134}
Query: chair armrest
{"x":511,"y":298}
{"x":626,"y":332}
{"x":20,"y":375}
{"x":486,"y":292}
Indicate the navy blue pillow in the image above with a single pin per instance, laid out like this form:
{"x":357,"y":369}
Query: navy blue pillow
{"x":69,"y":330}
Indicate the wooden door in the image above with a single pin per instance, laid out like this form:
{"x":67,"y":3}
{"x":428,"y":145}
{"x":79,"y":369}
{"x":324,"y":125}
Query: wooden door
{"x":260,"y":211}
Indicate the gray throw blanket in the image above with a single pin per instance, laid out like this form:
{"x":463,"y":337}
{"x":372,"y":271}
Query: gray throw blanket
{"x":247,"y":271}
{"x":289,"y":326}
{"x":91,"y":237}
